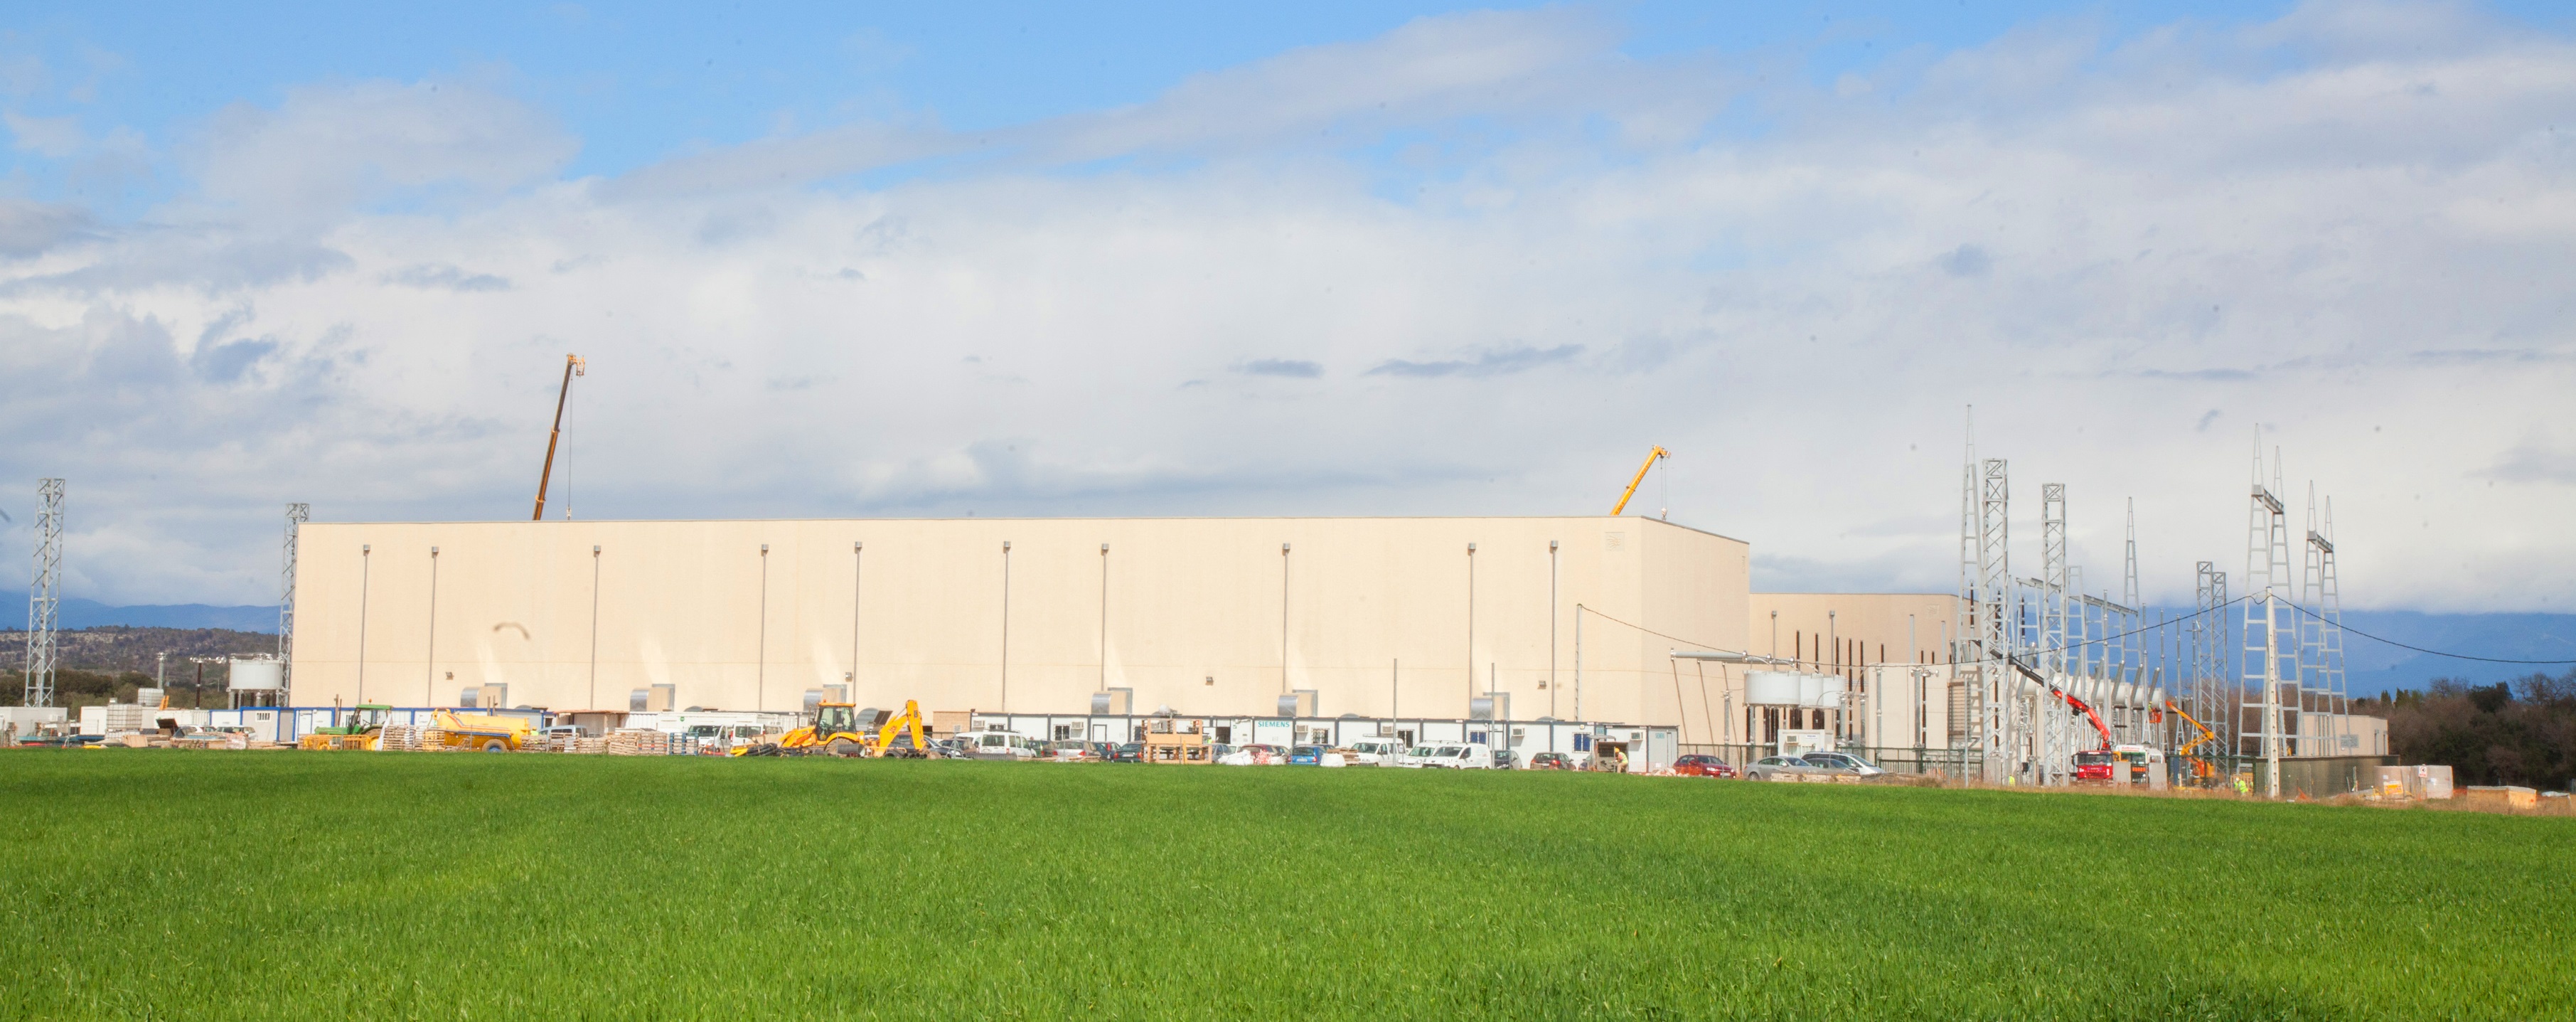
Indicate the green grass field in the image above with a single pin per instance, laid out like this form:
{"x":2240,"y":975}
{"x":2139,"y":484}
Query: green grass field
{"x":255,"y":885}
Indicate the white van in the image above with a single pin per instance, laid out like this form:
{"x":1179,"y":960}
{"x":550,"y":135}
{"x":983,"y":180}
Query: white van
{"x":1000,"y":745}
{"x":1376,"y":752}
{"x":1451,"y":756}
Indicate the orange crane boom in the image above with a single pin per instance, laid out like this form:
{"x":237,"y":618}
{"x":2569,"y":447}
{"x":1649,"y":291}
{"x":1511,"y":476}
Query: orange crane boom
{"x":1652,"y":456}
{"x":572,"y":367}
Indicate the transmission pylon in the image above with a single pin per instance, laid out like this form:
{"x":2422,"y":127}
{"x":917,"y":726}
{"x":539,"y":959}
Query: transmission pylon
{"x":1999,"y":737}
{"x":2267,"y":635}
{"x":2212,"y":698}
{"x":295,"y":516}
{"x":2133,"y":642}
{"x":43,"y":592}
{"x":2322,"y":627}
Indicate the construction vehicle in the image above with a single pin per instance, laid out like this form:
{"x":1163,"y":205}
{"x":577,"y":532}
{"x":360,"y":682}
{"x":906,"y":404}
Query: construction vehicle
{"x":842,"y":729}
{"x":2202,"y":770}
{"x":366,"y":724}
{"x":573,"y":366}
{"x":1653,"y":456}
{"x":485,"y":731}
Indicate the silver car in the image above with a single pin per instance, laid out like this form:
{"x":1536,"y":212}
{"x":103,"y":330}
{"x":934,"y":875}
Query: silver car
{"x":1773,"y":768}
{"x":1841,"y":763}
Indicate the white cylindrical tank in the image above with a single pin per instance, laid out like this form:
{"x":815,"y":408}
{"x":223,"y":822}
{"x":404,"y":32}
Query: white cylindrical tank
{"x":1771,"y":688}
{"x":257,"y":675}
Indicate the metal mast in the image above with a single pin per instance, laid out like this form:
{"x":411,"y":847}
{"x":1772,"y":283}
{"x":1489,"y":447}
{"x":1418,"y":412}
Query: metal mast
{"x":295,"y":516}
{"x":1994,"y":633}
{"x":2267,"y":574}
{"x":1966,"y":612}
{"x":2133,"y":641}
{"x":2211,"y":699}
{"x":2324,"y":621}
{"x":2056,"y":655}
{"x":43,"y":595}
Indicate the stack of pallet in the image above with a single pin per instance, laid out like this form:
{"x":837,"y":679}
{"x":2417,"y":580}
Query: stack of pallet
{"x":638,"y":742}
{"x":430,"y":739}
{"x":589,"y":746}
{"x":402,"y":737}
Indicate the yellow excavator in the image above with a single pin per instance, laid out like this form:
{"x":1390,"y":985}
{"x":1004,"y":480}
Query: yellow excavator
{"x":2201,"y":770}
{"x":842,"y":729}
{"x":1653,"y":456}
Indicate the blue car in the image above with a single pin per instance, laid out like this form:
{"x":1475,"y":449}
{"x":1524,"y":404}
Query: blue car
{"x":1306,"y":755}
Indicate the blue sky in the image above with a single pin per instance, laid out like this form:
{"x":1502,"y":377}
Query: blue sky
{"x":1323,"y":259}
{"x":641,"y":82}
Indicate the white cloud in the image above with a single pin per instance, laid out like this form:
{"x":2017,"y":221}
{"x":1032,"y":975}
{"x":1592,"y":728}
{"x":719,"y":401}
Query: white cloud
{"x":2123,"y":256}
{"x":329,"y":146}
{"x":44,"y":136}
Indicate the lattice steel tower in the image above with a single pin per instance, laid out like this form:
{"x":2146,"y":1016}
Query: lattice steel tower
{"x":2268,"y":635}
{"x":2211,"y":695}
{"x":1999,"y":738}
{"x":2321,"y":627}
{"x":295,"y":516}
{"x":43,"y":591}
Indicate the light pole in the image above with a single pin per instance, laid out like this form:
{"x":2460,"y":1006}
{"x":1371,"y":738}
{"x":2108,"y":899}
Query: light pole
{"x":760,"y":672}
{"x":1005,"y":703}
{"x":1551,"y":635}
{"x":429,"y":659}
{"x":366,"y":564}
{"x":1471,"y":628}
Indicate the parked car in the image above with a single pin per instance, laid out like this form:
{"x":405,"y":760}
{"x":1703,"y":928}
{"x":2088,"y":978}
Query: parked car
{"x":1376,"y":752}
{"x":1696,"y":765}
{"x":1255,"y":755}
{"x":1218,"y":751}
{"x":1506,"y":759}
{"x":1453,"y":756}
{"x":1132,"y":752}
{"x":999,"y":744}
{"x":1551,"y":761}
{"x":1772,"y":768}
{"x":1070,"y":751}
{"x":1316,"y":755}
{"x":1841,"y":763}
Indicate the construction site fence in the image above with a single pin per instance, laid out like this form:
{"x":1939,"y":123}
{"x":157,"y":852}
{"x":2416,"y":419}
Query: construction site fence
{"x":2309,"y":777}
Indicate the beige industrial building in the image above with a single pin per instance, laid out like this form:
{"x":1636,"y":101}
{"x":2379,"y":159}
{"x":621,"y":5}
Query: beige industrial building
{"x":1573,"y":618}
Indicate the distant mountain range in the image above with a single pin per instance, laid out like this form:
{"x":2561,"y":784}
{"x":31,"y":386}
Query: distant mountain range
{"x":91,"y":614}
{"x":2371,"y":664}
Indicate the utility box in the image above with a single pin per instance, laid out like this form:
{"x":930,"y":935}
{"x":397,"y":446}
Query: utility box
{"x":1800,"y":743}
{"x":1113,"y":702}
{"x":2416,"y":782}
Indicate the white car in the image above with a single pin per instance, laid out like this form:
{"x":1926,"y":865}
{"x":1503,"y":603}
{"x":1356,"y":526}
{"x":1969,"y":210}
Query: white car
{"x":1451,"y":756}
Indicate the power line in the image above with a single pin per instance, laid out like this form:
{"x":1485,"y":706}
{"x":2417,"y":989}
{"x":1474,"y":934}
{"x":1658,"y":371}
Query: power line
{"x":1985,"y":660}
{"x":2434,"y":652}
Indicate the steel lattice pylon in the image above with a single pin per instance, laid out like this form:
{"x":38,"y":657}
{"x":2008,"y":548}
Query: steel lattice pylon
{"x":295,"y":517}
{"x":2267,"y":635}
{"x":2212,"y":697}
{"x":43,"y":595}
{"x":1995,"y":613}
{"x":2321,"y":631}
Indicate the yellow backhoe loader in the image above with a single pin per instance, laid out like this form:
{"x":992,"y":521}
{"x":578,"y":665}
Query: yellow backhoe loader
{"x":842,"y":729}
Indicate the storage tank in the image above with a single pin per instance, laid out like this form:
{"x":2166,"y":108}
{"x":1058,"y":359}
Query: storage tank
{"x":1771,"y":688}
{"x":262,"y":675}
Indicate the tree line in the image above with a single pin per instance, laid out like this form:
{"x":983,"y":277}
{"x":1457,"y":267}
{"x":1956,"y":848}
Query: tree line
{"x":2512,"y":732}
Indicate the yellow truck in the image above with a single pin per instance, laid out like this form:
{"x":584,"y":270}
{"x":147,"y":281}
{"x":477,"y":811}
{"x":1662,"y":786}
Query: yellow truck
{"x":485,"y":731}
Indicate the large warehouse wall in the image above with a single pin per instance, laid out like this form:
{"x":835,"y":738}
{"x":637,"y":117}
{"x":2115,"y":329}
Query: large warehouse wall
{"x":1376,"y":612}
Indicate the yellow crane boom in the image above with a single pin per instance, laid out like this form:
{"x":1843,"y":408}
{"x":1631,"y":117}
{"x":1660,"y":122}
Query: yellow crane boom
{"x":572,"y":367}
{"x":1651,"y":457}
